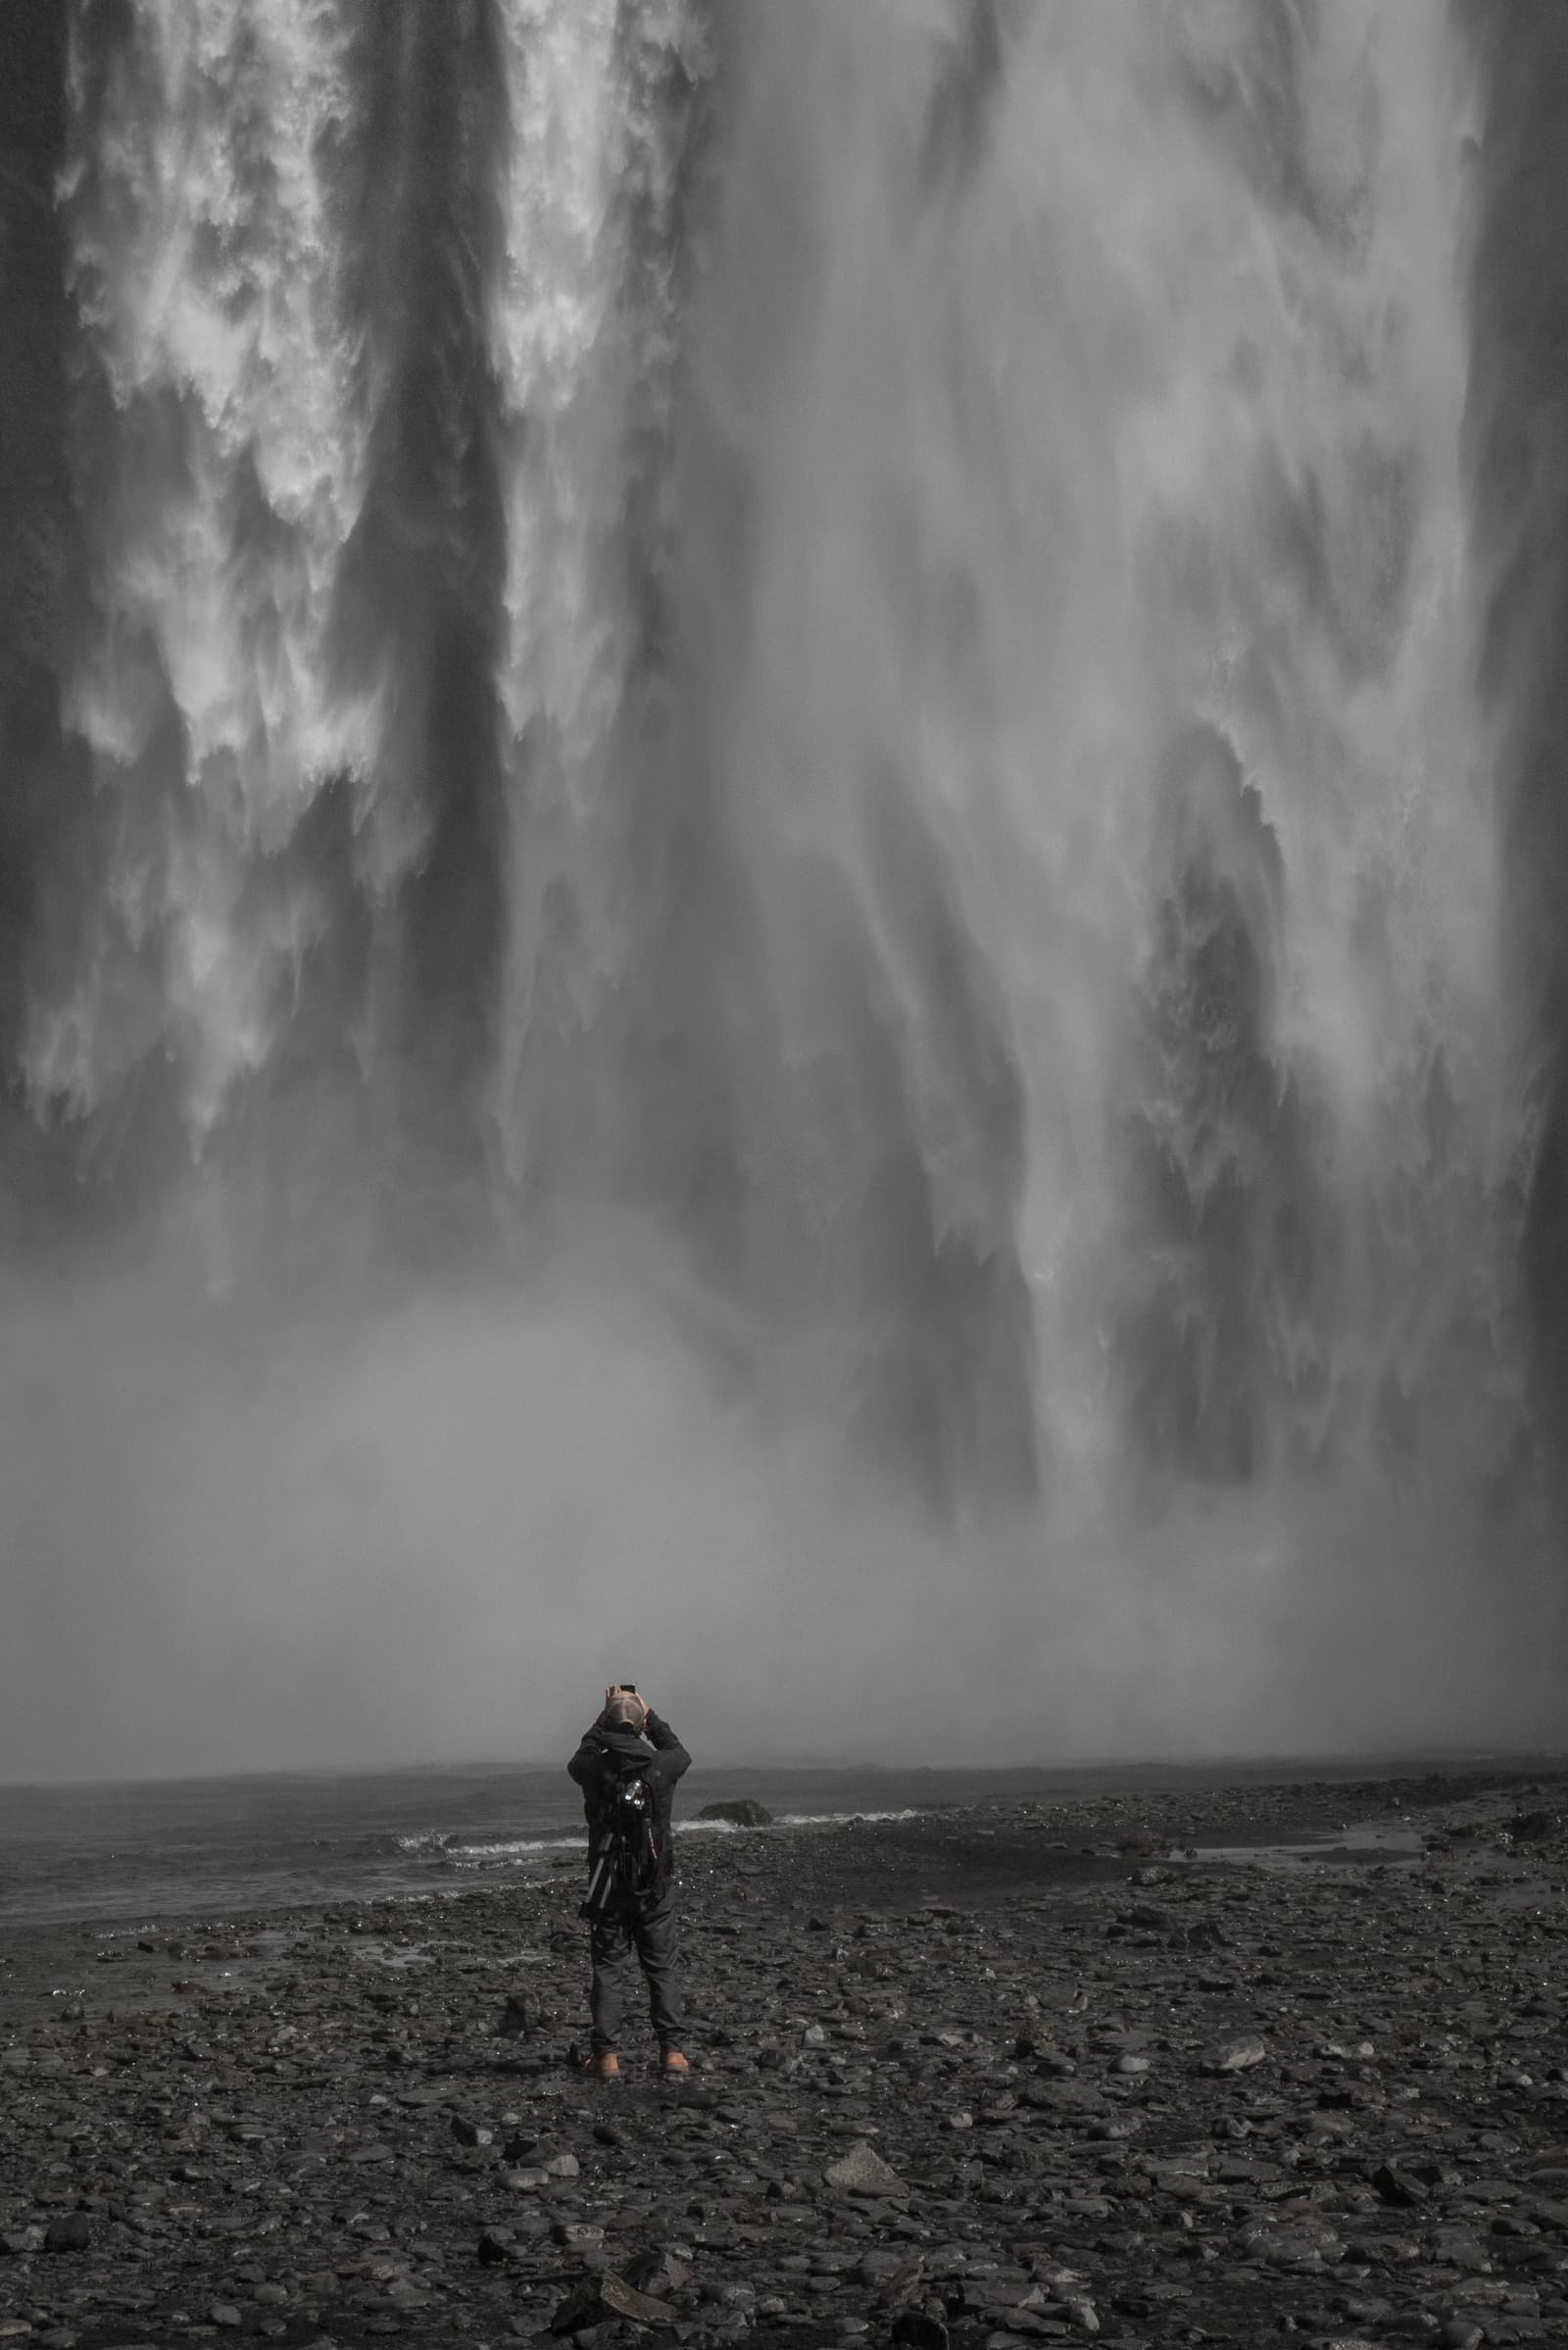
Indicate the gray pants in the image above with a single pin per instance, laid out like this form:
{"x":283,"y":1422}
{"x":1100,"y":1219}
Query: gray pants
{"x":647,"y":1926}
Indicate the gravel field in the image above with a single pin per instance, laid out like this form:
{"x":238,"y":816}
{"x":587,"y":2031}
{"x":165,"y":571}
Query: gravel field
{"x":1106,"y":2070}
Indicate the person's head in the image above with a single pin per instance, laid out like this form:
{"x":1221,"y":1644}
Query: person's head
{"x":624,"y":1711}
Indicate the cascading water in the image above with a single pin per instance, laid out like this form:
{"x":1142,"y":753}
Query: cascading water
{"x":1094,"y":729}
{"x":224,"y":470}
{"x":818,"y":662}
{"x":585,"y":335}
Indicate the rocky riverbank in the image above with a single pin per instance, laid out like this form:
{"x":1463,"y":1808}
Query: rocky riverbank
{"x":987,"y":2076}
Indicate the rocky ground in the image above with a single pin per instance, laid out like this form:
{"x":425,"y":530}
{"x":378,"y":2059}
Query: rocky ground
{"x":987,"y":2076}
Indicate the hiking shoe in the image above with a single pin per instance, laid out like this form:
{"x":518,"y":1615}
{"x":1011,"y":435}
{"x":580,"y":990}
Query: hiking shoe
{"x":605,"y":2065}
{"x":670,"y":2060}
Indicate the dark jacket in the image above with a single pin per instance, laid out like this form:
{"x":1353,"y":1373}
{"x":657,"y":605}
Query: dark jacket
{"x":605,"y":1751}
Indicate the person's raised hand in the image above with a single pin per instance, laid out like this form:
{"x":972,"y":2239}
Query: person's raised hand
{"x":611,"y":1693}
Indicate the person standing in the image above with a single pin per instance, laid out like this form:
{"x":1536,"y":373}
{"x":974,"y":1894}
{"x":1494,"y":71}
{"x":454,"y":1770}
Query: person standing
{"x":626,"y":1766}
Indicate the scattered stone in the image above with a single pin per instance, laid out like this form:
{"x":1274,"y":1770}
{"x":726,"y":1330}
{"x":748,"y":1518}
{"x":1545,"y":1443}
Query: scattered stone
{"x":597,"y":2300}
{"x":863,"y":2172}
{"x":1532,"y":1827}
{"x":1238,"y":2054}
{"x":1398,"y":2186}
{"x":577,"y":2235}
{"x":658,"y":2272}
{"x":959,"y":2073}
{"x":915,"y":2329}
{"x":519,"y":2017}
{"x":73,"y":2234}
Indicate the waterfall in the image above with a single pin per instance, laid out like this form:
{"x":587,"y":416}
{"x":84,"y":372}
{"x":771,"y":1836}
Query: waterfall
{"x":586,"y":339}
{"x":819,"y":671}
{"x":224,"y":470}
{"x":1038,"y":534}
{"x":1096,"y":733}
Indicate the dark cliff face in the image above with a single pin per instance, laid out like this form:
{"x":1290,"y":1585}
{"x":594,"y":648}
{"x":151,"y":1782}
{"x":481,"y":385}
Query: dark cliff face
{"x":1517,"y":428}
{"x":40,"y":560}
{"x":35,"y":561}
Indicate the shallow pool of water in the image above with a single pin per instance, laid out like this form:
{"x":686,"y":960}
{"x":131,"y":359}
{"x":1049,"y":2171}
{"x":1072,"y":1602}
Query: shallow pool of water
{"x":1369,"y":1842}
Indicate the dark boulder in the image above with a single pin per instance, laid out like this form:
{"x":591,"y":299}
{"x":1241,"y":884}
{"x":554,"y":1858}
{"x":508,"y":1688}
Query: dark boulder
{"x":918,"y":2329}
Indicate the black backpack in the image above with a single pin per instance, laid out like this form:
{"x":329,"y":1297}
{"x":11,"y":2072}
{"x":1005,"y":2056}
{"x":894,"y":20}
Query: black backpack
{"x":625,"y":1849}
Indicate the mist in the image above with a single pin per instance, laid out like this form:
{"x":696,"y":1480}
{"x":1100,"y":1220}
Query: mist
{"x":432,"y":1533}
{"x":779,"y":913}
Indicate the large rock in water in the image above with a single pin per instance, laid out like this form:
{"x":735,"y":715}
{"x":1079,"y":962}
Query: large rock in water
{"x":743,"y":1812}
